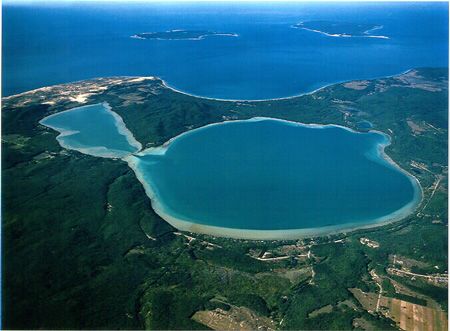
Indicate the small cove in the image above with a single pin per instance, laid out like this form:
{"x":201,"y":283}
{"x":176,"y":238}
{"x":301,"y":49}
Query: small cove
{"x":94,"y":129}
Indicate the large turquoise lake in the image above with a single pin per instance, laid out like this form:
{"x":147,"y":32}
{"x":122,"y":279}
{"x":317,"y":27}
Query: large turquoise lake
{"x":258,"y":179}
{"x":266,"y":178}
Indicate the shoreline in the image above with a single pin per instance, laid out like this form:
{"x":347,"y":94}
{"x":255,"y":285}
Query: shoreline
{"x":122,"y":128}
{"x":175,"y":89}
{"x":165,"y":84}
{"x":188,"y":225}
{"x":343,"y":35}
{"x":365,"y":34}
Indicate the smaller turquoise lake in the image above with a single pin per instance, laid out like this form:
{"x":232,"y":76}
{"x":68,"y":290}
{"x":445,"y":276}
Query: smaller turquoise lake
{"x":93,"y":130}
{"x":256,"y":179}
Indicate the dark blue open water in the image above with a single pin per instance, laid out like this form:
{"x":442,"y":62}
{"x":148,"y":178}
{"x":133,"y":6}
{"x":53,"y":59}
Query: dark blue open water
{"x":44,"y":45}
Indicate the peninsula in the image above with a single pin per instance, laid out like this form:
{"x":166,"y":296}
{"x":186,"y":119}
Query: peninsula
{"x":84,"y":249}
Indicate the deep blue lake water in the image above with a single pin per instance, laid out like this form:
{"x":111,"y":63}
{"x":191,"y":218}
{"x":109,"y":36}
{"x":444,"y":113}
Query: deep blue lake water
{"x":275,"y":175}
{"x":44,"y":45}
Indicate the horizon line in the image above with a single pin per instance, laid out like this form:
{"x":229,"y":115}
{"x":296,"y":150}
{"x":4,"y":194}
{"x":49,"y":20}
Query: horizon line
{"x":74,"y":2}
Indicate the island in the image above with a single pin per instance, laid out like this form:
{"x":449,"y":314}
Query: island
{"x":85,"y":249}
{"x":341,"y":29}
{"x":182,"y":35}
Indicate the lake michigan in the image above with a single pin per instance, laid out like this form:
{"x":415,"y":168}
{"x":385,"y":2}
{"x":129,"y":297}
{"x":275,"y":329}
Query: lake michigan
{"x":47,"y":44}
